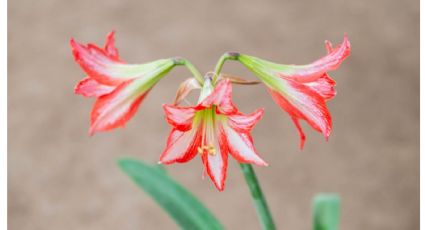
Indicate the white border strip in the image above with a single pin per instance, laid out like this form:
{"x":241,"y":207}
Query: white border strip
{"x":3,"y":115}
{"x":422,"y":84}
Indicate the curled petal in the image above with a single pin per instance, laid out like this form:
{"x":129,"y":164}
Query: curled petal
{"x":302,"y":102}
{"x":88,"y":87}
{"x":110,"y":48}
{"x":185,"y":88}
{"x":300,"y":131}
{"x":221,"y":97}
{"x":242,"y":147}
{"x":181,"y":146}
{"x":328,"y":46}
{"x":115,"y":109}
{"x":244,"y":123}
{"x":307,"y":73}
{"x":179,"y":117}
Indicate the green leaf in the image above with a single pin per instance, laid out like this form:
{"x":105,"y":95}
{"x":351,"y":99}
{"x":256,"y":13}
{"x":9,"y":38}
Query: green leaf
{"x":179,"y":203}
{"x":161,"y":168}
{"x":326,"y":212}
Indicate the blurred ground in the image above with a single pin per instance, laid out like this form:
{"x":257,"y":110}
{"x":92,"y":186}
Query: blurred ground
{"x":60,"y":178}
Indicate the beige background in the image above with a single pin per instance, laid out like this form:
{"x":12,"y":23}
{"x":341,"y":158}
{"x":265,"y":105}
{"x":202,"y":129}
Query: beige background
{"x":60,"y":178}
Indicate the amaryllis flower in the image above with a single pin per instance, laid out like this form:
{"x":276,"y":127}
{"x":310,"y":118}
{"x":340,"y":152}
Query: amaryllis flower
{"x":302,"y":90}
{"x":213,"y":129}
{"x":119,"y":87}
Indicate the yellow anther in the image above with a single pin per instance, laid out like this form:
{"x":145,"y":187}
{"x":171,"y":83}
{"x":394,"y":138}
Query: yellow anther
{"x":212,"y":152}
{"x":200,"y":150}
{"x":208,"y":148}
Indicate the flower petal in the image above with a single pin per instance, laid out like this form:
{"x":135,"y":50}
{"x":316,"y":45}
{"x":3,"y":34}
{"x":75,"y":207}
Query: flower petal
{"x":115,"y":109}
{"x":179,"y":117}
{"x":181,"y":146}
{"x":307,"y":73}
{"x":328,"y":46}
{"x":244,"y":123}
{"x":221,"y":97}
{"x":216,"y":164}
{"x":301,"y":90}
{"x":185,"y":88}
{"x":241,"y":146}
{"x":110,"y":48}
{"x":89,"y":87}
{"x":324,"y":86}
{"x":302,"y":102}
{"x":98,"y":64}
{"x":107,"y":70}
{"x":300,"y":131}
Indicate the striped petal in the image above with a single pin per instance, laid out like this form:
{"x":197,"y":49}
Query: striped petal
{"x":315,"y":70}
{"x":181,"y":146}
{"x":244,"y":123}
{"x":104,"y":66}
{"x":89,"y":87}
{"x":98,"y":64}
{"x":241,"y":146}
{"x":324,"y":86}
{"x":115,"y":109}
{"x":179,"y":117}
{"x":302,"y":102}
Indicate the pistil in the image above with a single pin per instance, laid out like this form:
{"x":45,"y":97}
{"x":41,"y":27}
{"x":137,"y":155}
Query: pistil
{"x":208,"y":132}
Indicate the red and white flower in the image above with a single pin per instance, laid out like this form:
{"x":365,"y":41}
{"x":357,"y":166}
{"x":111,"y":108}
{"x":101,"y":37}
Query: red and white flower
{"x":118,"y":87}
{"x":213,"y":129}
{"x":302,"y":90}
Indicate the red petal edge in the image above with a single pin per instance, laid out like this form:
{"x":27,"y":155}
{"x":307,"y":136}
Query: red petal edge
{"x":300,"y":131}
{"x":110,"y":48}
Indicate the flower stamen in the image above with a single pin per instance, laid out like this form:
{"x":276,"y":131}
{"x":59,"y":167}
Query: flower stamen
{"x":208,"y":149}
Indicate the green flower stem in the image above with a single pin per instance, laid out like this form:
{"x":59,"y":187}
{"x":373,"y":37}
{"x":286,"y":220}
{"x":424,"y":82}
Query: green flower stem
{"x":260,"y":203}
{"x":191,"y":67}
{"x":220,"y":63}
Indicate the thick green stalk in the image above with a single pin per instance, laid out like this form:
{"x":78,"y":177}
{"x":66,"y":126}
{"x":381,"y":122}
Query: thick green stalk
{"x":260,"y":203}
{"x":223,"y":58}
{"x":190,"y":67}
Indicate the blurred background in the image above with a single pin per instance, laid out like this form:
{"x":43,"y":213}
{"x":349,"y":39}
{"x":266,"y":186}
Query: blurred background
{"x":60,"y":178}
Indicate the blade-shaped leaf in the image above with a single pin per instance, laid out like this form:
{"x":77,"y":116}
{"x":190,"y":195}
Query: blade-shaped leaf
{"x":179,"y":203}
{"x":326,"y":212}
